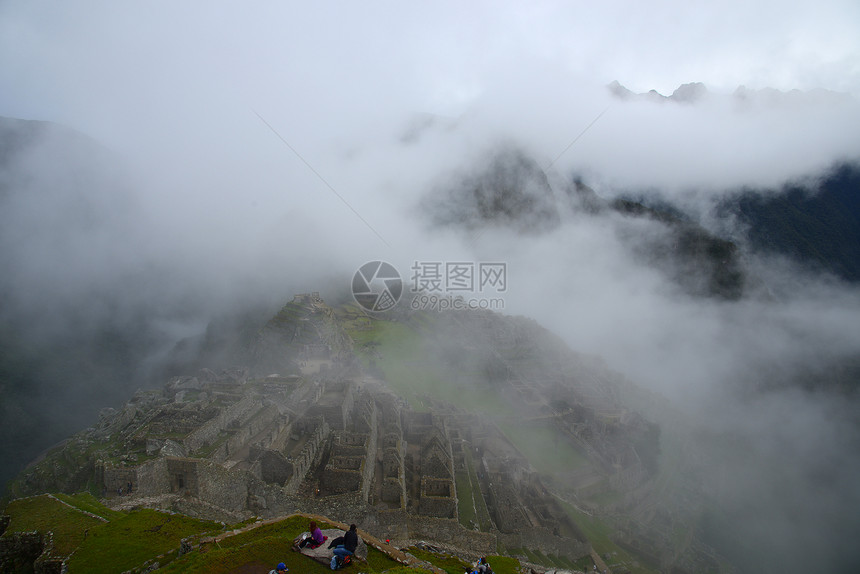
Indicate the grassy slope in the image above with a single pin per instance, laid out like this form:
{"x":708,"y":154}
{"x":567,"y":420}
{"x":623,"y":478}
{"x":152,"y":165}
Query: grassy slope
{"x":129,"y":540}
{"x":599,"y":534}
{"x":89,"y":503}
{"x":455,"y":565}
{"x":261,"y":548}
{"x":400,"y":352}
{"x":125,"y":541}
{"x":535,"y":440}
{"x":483,"y":514}
{"x":44,"y":513}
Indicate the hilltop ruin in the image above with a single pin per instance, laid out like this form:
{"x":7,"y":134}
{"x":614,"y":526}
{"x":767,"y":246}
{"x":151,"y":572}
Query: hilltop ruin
{"x":327,"y":436}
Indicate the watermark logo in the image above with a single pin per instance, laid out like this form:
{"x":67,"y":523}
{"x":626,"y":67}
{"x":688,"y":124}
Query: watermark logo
{"x":431,"y":302}
{"x":435,"y":285}
{"x":459,"y":276}
{"x":377,"y":286}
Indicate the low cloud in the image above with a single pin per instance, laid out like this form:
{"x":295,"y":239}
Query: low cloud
{"x":235,"y":149}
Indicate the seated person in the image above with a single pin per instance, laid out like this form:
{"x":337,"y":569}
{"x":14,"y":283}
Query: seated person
{"x":347,"y":543}
{"x":314,"y":540}
{"x":483,"y":567}
{"x":281,"y":568}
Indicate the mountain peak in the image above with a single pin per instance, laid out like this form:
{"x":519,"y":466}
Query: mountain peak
{"x":685,"y":93}
{"x":694,"y":92}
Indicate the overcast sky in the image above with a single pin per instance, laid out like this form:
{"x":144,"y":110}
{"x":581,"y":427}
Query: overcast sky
{"x":151,"y":78}
{"x":103,"y":57}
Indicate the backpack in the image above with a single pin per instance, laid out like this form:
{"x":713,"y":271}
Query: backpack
{"x":338,"y":562}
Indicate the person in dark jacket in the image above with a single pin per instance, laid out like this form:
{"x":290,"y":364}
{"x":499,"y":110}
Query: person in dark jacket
{"x":349,"y":544}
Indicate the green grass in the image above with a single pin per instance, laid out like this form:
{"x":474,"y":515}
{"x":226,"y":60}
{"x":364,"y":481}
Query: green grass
{"x":132,"y":539}
{"x":400,"y":351}
{"x":403,"y":360}
{"x":207,"y":450}
{"x":259,"y":549}
{"x":565,"y":562}
{"x":606,"y":498}
{"x":465,"y":501}
{"x":255,"y":555}
{"x":448,"y":563}
{"x":599,"y":534}
{"x":89,"y":503}
{"x":546,"y":450}
{"x":530,"y":555}
{"x":124,"y":542}
{"x":406,"y":570}
{"x":543,"y":559}
{"x":286,"y":529}
{"x":43,"y":513}
{"x":504,"y":564}
{"x":586,"y":564}
{"x":485,"y":523}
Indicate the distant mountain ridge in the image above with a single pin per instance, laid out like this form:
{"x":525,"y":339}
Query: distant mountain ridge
{"x":686,"y":93}
{"x":694,"y":92}
{"x":509,"y":189}
{"x":815,"y":223}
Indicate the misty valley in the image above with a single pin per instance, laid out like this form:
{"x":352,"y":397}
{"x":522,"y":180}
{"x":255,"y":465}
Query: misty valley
{"x":672,"y":385}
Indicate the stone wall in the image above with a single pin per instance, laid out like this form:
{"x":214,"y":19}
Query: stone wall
{"x":370,"y":467}
{"x":548,"y":543}
{"x":393,"y":492}
{"x":393,"y":471}
{"x":438,"y":498}
{"x":351,"y":464}
{"x":303,"y":458}
{"x":19,"y":551}
{"x":245,"y":431}
{"x":274,"y":467}
{"x":342,"y":475}
{"x":349,"y":444}
{"x":152,"y":478}
{"x":416,"y":426}
{"x":118,"y":478}
{"x":335,"y":404}
{"x":399,"y":524}
{"x":279,"y":435}
{"x":223,"y":488}
{"x":505,"y":507}
{"x":208,"y":432}
{"x":436,"y":462}
{"x":182,"y":474}
{"x":366,"y":416}
{"x":628,"y":478}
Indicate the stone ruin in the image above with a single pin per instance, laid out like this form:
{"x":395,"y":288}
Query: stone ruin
{"x":227,"y":447}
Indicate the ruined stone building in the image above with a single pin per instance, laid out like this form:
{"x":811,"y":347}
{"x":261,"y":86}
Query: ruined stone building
{"x":227,"y":448}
